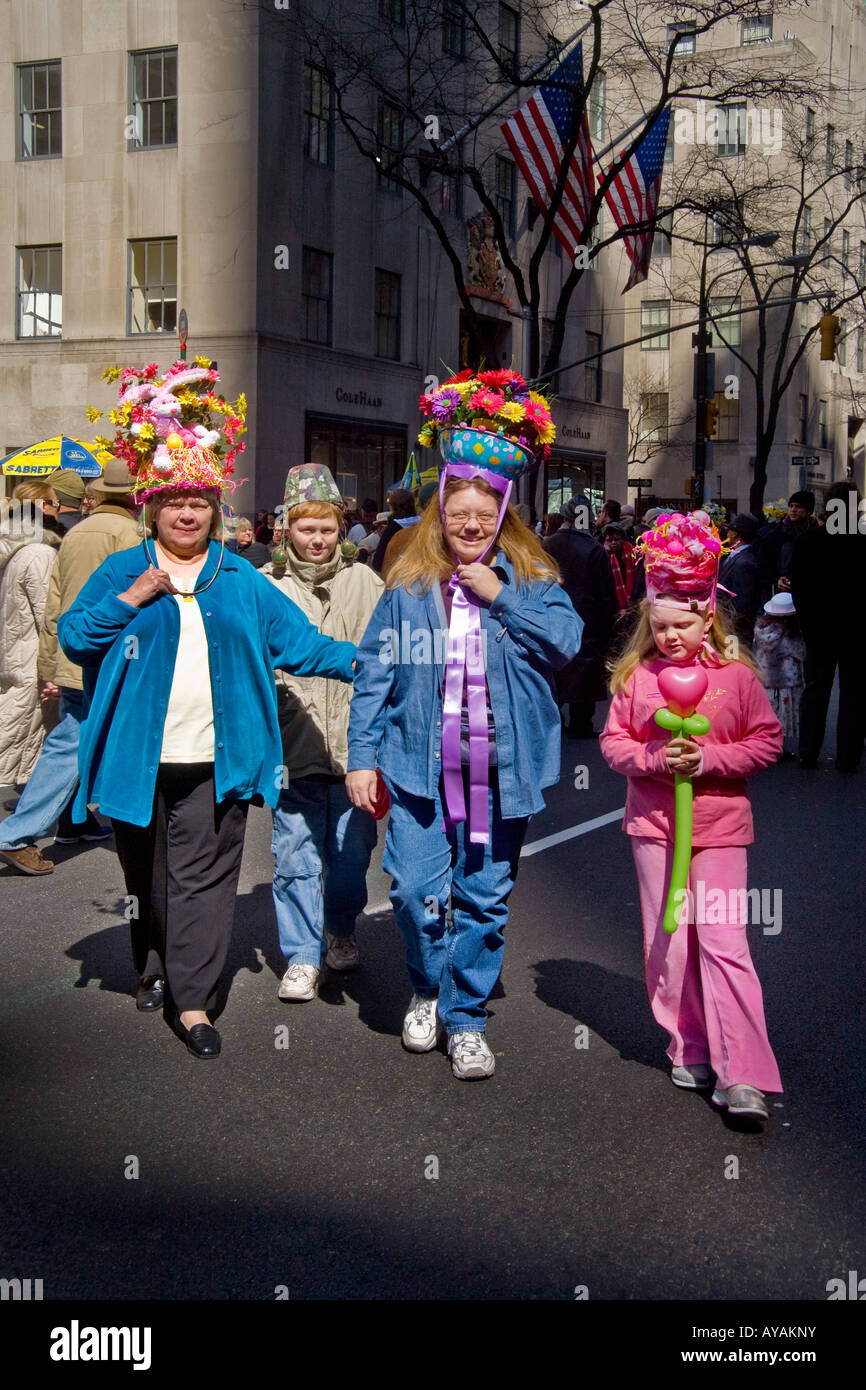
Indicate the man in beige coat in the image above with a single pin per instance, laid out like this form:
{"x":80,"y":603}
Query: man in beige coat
{"x":112,"y":526}
{"x":321,"y":842}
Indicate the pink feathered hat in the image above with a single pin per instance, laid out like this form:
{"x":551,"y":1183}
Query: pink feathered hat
{"x":681,"y":560}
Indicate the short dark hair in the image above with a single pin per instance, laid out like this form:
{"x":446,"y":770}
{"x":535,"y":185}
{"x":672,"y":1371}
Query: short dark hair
{"x":369,"y":504}
{"x":613,"y":509}
{"x":401,"y":502}
{"x":806,"y":500}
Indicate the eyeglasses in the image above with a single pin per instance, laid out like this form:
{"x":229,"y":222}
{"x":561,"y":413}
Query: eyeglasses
{"x":181,"y":506}
{"x":485,"y":519}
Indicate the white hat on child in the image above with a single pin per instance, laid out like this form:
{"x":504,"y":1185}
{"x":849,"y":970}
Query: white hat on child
{"x":780,"y":606}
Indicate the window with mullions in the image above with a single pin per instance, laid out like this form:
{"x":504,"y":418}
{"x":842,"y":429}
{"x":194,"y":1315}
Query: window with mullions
{"x":861,"y":267}
{"x":40,"y":122}
{"x":849,"y":164}
{"x":597,"y":106}
{"x":389,"y":133}
{"x":509,"y":39}
{"x":669,"y":143}
{"x":387,"y":314}
{"x":822,"y":423}
{"x":152,"y":286}
{"x":655,"y":313}
{"x":592,"y":368}
{"x":318,"y":116}
{"x":728,"y":418}
{"x":654,"y":417}
{"x":731,"y":129}
{"x":153,"y":98}
{"x":846,"y":252}
{"x":684,"y":34}
{"x":316,"y":281}
{"x":393,"y":11}
{"x":661,"y":248}
{"x":726,"y":226}
{"x":810,"y":129}
{"x":842,"y":343}
{"x":759,"y":29}
{"x":40,"y":292}
{"x":453,"y":29}
{"x":803,"y":434}
{"x":451,"y":191}
{"x":804,"y":240}
{"x":725,"y":325}
{"x":861,"y":349}
{"x":830,"y":149}
{"x":505,"y":193}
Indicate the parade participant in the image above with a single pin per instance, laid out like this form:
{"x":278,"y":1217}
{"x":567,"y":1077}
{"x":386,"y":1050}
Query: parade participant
{"x":701,"y":982}
{"x":466,"y":717}
{"x":179,"y":640}
{"x":321,"y":842}
{"x":780,"y":653}
{"x":27,"y":554}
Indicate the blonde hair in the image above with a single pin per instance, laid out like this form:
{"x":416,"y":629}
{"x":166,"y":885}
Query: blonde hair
{"x":642,"y":646}
{"x":322,"y":510}
{"x":427,"y":560}
{"x":33,"y":491}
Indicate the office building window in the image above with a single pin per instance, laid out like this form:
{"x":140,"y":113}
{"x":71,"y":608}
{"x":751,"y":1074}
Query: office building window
{"x":451,"y":191}
{"x":596,"y":237}
{"x":803,"y":436}
{"x":682,"y":36}
{"x":153,"y":286}
{"x":830,"y":150}
{"x":393,"y":11}
{"x":731,"y":130}
{"x":453,"y":29}
{"x":669,"y":143}
{"x":842,"y":343}
{"x":655,"y":313}
{"x":827,"y":249}
{"x":40,"y":125}
{"x":822,"y":424}
{"x":316,"y":288}
{"x":849,"y":164}
{"x":726,"y":224}
{"x":509,"y":39}
{"x":389,"y":131}
{"x":40,"y":292}
{"x":725,"y":322}
{"x":661,"y":248}
{"x":318,"y":116}
{"x":758,"y":29}
{"x":387,"y":315}
{"x":153,"y":98}
{"x":846,"y":251}
{"x":810,"y":129}
{"x":505,"y":193}
{"x":597,"y":106}
{"x":861,"y":336}
{"x":728,"y":418}
{"x":592,"y":368}
{"x":861,"y":266}
{"x":654,"y":418}
{"x":805,"y":238}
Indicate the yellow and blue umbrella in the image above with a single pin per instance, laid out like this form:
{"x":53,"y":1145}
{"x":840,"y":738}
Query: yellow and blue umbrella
{"x":59,"y":452}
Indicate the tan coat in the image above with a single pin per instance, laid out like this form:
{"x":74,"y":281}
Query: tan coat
{"x":313,"y":711}
{"x":107,"y":529}
{"x":25,"y":570}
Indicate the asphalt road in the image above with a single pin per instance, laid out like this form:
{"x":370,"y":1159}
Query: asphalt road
{"x":338,"y":1166}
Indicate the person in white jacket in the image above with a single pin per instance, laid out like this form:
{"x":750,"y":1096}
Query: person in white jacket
{"x":28,"y":548}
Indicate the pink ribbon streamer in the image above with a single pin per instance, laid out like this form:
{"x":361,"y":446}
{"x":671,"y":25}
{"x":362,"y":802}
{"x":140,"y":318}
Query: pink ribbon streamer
{"x":465,"y":662}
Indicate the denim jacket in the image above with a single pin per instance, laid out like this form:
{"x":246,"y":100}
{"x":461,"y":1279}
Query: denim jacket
{"x":530,"y":631}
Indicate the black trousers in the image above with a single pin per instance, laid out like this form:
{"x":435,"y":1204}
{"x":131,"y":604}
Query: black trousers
{"x":183,"y":871}
{"x":821,"y":661}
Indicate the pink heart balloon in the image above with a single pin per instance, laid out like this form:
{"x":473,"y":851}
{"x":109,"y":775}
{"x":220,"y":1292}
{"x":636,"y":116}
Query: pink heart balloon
{"x":683,"y":688}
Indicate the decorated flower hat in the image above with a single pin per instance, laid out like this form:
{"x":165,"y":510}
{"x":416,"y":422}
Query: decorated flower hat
{"x":681,"y":560}
{"x":173,"y":430}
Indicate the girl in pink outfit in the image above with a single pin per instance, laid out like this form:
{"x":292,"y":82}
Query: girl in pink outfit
{"x":701,"y":981}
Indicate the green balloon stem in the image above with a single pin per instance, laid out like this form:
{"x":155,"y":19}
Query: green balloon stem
{"x":691,"y":725}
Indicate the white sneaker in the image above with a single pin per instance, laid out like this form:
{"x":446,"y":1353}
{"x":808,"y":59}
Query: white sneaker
{"x":471,"y":1058}
{"x":299,"y":982}
{"x":343,"y":952}
{"x":422,"y":1027}
{"x":742,"y":1100}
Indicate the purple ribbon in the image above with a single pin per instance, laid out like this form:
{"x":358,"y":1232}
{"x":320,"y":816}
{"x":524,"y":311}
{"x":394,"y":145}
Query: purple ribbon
{"x":465,"y":662}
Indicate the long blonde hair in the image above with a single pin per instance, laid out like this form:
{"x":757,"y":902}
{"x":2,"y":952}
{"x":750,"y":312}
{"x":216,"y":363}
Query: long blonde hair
{"x":642,"y":647}
{"x":427,"y":560}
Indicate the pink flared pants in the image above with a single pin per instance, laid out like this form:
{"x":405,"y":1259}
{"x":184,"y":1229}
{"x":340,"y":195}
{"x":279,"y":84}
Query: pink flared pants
{"x":701,"y":981}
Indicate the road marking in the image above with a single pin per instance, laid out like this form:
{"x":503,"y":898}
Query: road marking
{"x":583,"y":829}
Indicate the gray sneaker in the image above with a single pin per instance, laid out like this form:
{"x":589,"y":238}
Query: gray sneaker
{"x":471,"y":1058}
{"x":299,"y":983}
{"x":343,"y":952}
{"x":422,"y":1027}
{"x":742,"y":1100}
{"x":694,"y":1077}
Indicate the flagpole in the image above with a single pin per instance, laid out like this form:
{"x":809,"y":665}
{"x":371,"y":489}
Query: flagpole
{"x":500,"y":101}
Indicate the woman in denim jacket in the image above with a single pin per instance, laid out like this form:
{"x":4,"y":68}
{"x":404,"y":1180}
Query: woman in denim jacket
{"x":473,"y":622}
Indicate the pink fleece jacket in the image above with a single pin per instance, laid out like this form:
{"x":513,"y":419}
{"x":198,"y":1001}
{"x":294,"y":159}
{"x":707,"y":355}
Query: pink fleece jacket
{"x":744,"y":736}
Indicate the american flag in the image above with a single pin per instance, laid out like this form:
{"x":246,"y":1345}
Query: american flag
{"x":538,"y":134}
{"x":633,"y":196}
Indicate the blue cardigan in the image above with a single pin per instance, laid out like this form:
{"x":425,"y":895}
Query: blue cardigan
{"x":128,"y":655}
{"x":530,"y":632}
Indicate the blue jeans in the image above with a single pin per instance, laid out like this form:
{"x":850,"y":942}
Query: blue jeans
{"x":52,"y":782}
{"x":459,"y":962}
{"x":322,"y":845}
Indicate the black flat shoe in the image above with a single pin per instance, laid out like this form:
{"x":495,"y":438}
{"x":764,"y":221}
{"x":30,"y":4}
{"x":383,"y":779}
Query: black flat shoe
{"x":201,"y":1039}
{"x":150,"y":997}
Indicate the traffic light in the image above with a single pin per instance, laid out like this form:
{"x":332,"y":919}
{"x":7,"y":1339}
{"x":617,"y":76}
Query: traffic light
{"x":829,"y":326}
{"x":711,"y":417}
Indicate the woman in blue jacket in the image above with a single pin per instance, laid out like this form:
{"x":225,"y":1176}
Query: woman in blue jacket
{"x":454,"y":702}
{"x":178,"y":641}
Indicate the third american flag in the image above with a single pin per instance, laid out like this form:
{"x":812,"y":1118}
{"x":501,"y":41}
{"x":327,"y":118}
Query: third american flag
{"x":633,"y":195}
{"x":539,"y":133}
